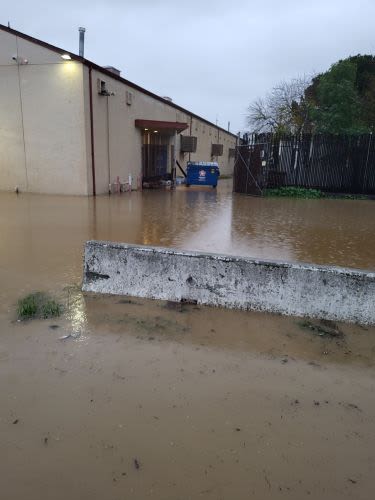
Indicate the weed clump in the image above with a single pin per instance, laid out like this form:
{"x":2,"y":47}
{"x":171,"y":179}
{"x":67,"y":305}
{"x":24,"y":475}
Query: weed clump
{"x":38,"y":305}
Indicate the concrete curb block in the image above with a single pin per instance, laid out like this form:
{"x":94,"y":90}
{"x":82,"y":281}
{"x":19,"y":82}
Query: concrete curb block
{"x":235,"y":282}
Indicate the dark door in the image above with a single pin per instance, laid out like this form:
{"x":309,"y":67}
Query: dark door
{"x":154,"y":161}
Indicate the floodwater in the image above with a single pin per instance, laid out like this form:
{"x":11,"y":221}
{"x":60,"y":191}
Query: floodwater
{"x":146,"y":399}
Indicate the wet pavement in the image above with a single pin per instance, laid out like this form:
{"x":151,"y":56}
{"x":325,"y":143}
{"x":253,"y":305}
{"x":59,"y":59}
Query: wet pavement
{"x":139,"y":399}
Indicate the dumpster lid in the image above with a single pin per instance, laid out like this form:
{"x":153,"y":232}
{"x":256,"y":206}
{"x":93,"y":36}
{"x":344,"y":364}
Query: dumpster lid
{"x":203,"y":163}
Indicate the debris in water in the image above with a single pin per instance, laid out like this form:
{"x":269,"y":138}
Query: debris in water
{"x":54,"y":327}
{"x":314,"y":363}
{"x":65,"y":337}
{"x":353,"y":481}
{"x":323,"y":328}
{"x":351,"y":406}
{"x":69,"y":336}
{"x":15,"y":421}
{"x":137,"y":465}
{"x":128,"y":301}
{"x":267,"y":480}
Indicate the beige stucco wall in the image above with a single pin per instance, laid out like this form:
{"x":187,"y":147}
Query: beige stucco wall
{"x":42,"y":126}
{"x":118,"y":143}
{"x":45,"y":126}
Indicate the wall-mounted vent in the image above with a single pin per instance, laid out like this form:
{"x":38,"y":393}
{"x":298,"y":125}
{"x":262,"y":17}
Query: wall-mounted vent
{"x":188,"y":144}
{"x":217,"y":150}
{"x":129,"y":98}
{"x":102,"y":87}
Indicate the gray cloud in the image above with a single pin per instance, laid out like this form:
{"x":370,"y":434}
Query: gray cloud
{"x":212,"y":57}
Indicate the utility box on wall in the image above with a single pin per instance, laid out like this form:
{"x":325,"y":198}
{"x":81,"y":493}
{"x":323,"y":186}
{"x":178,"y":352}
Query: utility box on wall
{"x":188,"y":144}
{"x":217,"y":150}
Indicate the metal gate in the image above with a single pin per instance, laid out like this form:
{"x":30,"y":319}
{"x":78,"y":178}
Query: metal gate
{"x":248,"y":175}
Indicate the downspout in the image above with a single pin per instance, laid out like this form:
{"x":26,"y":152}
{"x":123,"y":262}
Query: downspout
{"x":108,"y":149}
{"x":174,"y":160}
{"x":92,"y":134}
{"x":191,"y":131}
{"x":23,"y":123}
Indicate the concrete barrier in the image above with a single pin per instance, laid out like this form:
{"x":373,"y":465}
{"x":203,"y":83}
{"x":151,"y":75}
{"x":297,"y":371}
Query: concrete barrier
{"x":236,"y":282}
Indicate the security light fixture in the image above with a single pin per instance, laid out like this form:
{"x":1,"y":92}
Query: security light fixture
{"x":66,"y":57}
{"x":146,"y":129}
{"x":156,"y":131}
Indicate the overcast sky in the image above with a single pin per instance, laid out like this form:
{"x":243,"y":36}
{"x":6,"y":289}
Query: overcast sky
{"x":212,"y":57}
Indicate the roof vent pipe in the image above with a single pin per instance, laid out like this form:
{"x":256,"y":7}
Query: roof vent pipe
{"x":81,"y":41}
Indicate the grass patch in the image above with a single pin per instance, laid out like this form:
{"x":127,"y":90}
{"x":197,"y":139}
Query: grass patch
{"x":294,"y":192}
{"x":38,"y":305}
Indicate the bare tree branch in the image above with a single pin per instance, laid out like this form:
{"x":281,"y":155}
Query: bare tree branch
{"x":282,"y":109}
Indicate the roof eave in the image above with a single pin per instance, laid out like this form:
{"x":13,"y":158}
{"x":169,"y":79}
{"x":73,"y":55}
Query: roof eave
{"x":95,"y":66}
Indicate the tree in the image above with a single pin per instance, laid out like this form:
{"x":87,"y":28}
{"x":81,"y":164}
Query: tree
{"x":284,"y":109}
{"x":337,"y":108}
{"x":342,"y":100}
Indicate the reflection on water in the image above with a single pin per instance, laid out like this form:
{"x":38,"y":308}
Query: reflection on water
{"x":42,"y":236}
{"x":76,"y":312}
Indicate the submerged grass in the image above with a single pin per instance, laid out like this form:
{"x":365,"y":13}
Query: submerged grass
{"x":312,"y":194}
{"x":294,"y":192}
{"x":38,"y":305}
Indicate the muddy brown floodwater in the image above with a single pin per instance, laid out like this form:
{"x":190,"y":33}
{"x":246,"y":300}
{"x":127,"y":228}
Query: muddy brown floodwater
{"x":133,"y":399}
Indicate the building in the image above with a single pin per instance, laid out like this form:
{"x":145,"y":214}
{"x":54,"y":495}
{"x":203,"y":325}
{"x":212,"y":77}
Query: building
{"x":69,"y":126}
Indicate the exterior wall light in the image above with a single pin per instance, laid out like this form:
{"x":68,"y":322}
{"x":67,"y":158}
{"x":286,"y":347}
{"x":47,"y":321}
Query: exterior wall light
{"x":66,"y":57}
{"x":156,"y":131}
{"x":146,"y":129}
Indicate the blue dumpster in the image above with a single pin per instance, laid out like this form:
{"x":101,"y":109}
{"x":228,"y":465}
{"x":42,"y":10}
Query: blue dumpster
{"x":202,"y":173}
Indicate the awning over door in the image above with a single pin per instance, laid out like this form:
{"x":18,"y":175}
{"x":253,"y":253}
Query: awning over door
{"x":161,"y":126}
